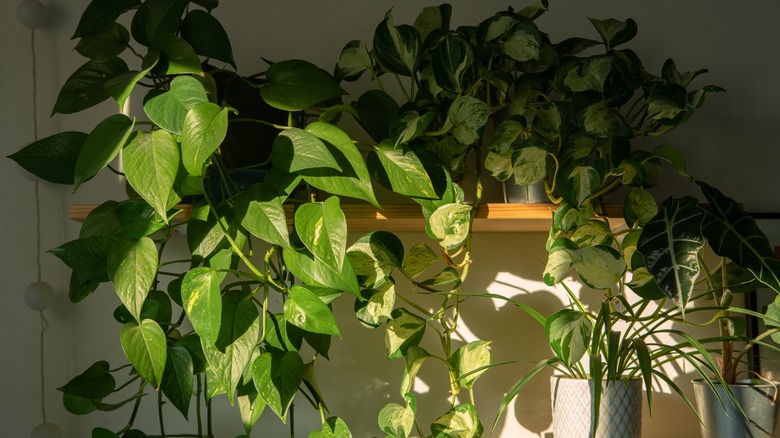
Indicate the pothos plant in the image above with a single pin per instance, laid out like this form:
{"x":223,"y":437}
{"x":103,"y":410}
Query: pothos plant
{"x":202,"y":325}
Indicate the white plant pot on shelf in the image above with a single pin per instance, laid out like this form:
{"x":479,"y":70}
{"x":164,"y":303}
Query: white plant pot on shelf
{"x":620,"y":412}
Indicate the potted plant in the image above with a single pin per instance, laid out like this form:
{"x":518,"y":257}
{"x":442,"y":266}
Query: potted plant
{"x":284,"y":237}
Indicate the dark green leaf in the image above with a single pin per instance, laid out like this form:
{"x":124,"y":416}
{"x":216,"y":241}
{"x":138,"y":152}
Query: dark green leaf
{"x":295,"y":85}
{"x":353,"y":61}
{"x":84,"y":88}
{"x":295,"y":150}
{"x":111,"y":43}
{"x":52,"y":158}
{"x":615,"y":32}
{"x":178,"y":56}
{"x":155,"y":17}
{"x":207,"y":36}
{"x":376,"y":109}
{"x":334,"y":427}
{"x":100,"y":432}
{"x":94,"y":383}
{"x":313,"y":272}
{"x":100,"y":15}
{"x":87,"y":257}
{"x":733,"y":233}
{"x":277,"y":378}
{"x":670,"y":244}
{"x":451,"y":59}
{"x":523,"y":42}
{"x":101,"y":146}
{"x":262,"y":214}
{"x":178,"y":378}
{"x":639,"y":207}
{"x":137,"y":219}
{"x":121,"y":86}
{"x":374,"y":257}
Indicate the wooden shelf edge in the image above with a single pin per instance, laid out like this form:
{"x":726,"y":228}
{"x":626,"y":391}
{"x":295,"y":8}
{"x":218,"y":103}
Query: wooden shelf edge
{"x":408,"y":217}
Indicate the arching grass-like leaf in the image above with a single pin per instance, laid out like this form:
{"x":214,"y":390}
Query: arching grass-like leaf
{"x":132,"y":266}
{"x":734,"y":234}
{"x":207,"y":36}
{"x":306,"y":310}
{"x":52,"y":158}
{"x":84,"y":88}
{"x":670,"y":244}
{"x":151,"y":161}
{"x":144,"y":344}
{"x":101,"y":146}
{"x":201,"y":300}
{"x":204,"y":129}
{"x":277,"y":378}
{"x":295,"y":85}
{"x":168,"y":110}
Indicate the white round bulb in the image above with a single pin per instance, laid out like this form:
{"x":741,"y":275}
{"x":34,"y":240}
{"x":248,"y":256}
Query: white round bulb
{"x":39,"y":295}
{"x":31,"y":13}
{"x":46,"y":430}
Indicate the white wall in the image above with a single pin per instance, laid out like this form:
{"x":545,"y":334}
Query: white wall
{"x":730,"y":143}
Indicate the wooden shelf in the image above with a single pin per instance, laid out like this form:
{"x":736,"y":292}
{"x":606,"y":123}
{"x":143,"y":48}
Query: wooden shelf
{"x":408,"y":218}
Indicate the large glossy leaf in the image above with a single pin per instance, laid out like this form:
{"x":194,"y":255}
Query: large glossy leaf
{"x":295,"y":85}
{"x":374,"y":257}
{"x":100,"y":15}
{"x":296,"y":149}
{"x":589,"y":75}
{"x":144,"y":344}
{"x":313,"y":272}
{"x":168,"y":110}
{"x":178,"y":378}
{"x":87,"y":257}
{"x":132,"y":267}
{"x":397,"y":48}
{"x":95,"y":382}
{"x":376,"y":109}
{"x":84,"y":88}
{"x":451,"y":59}
{"x":578,"y":183}
{"x":52,"y":158}
{"x":204,"y":129}
{"x":670,"y":244}
{"x":468,"y":116}
{"x":306,"y":310}
{"x":207,"y":36}
{"x":262,"y":214}
{"x":396,"y":420}
{"x":155,"y":17}
{"x":529,"y":163}
{"x":420,"y":257}
{"x":351,"y":178}
{"x":241,"y":326}
{"x":403,"y":331}
{"x":599,"y":267}
{"x":460,"y":421}
{"x":322,"y":227}
{"x":277,"y":378}
{"x":733,"y":233}
{"x":400,"y":170}
{"x":113,"y":42}
{"x":568,"y":332}
{"x":559,"y":263}
{"x":639,"y":207}
{"x":523,"y":42}
{"x":178,"y":57}
{"x":151,"y":161}
{"x":592,"y":233}
{"x":201,"y":300}
{"x":469,"y":362}
{"x":101,"y":146}
{"x":451,"y":224}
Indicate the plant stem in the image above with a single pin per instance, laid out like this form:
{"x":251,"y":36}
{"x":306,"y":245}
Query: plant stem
{"x":160,"y":413}
{"x":197,"y":406}
{"x":292,"y":420}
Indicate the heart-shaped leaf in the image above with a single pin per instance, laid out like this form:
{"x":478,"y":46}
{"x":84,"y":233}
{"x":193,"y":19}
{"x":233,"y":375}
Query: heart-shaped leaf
{"x":207,"y":36}
{"x":151,"y":161}
{"x":101,"y":146}
{"x":403,"y":331}
{"x":322,"y":227}
{"x":400,"y":170}
{"x":144,"y":344}
{"x":100,"y":15}
{"x":295,"y":85}
{"x":277,"y":378}
{"x":84,"y":88}
{"x":52,"y":158}
{"x":201,"y":300}
{"x":132,"y":267}
{"x":568,"y":332}
{"x":461,"y":420}
{"x":306,"y":310}
{"x":178,"y":378}
{"x":397,"y":48}
{"x":204,"y":129}
{"x":168,"y":110}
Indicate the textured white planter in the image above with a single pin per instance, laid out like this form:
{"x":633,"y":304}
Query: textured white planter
{"x":620,"y":413}
{"x":757,"y":399}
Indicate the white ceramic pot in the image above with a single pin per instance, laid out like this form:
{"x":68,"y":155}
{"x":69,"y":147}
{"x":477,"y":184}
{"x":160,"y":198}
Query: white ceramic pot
{"x":758,"y":400}
{"x":620,"y":411}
